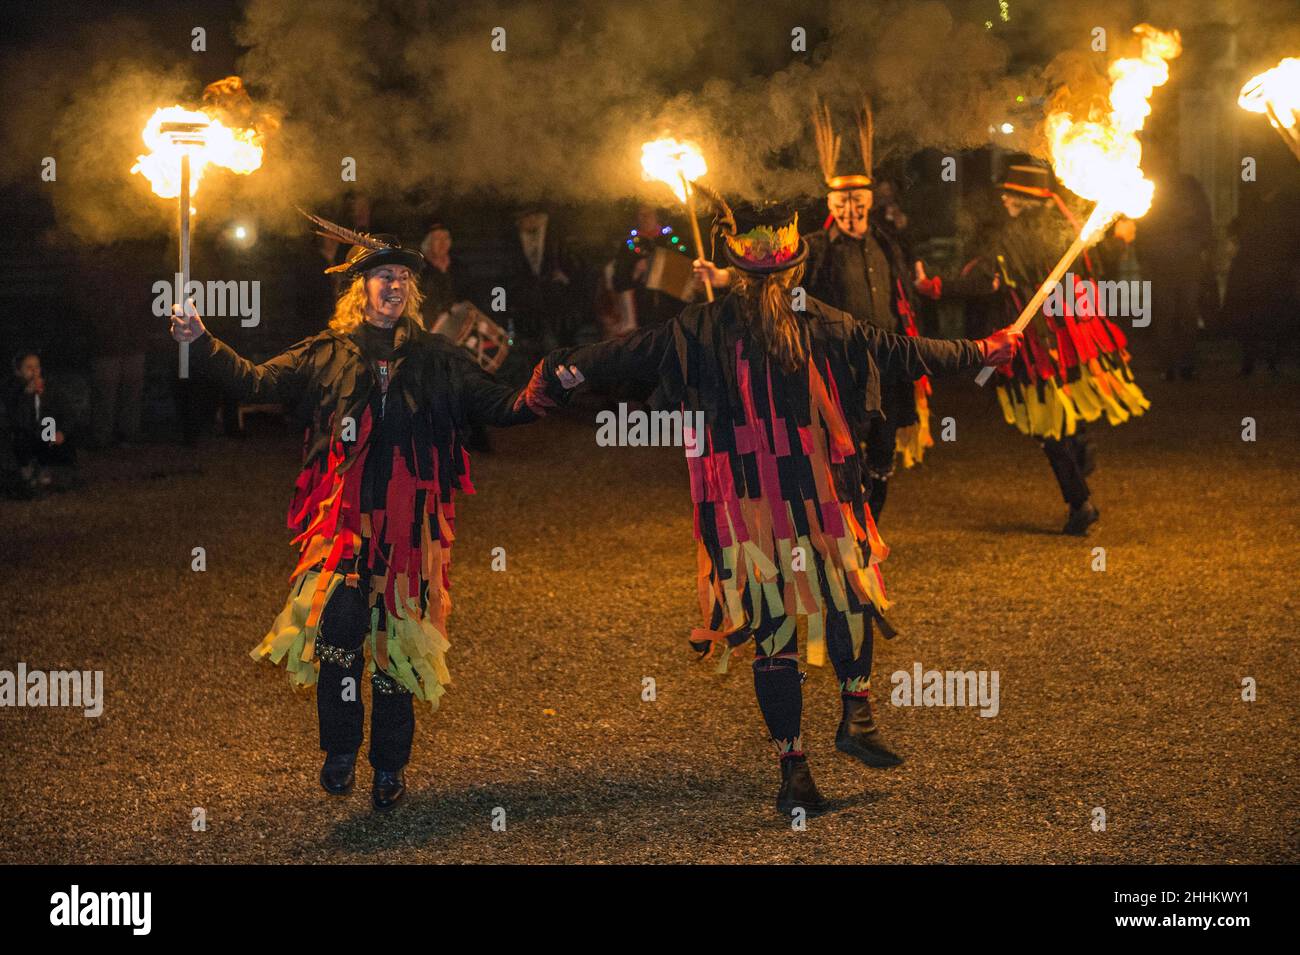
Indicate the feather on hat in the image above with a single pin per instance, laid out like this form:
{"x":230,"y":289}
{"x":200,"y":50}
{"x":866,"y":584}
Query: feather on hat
{"x":368,"y":251}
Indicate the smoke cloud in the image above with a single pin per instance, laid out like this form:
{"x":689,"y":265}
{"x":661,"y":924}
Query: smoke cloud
{"x":417,"y":96}
{"x":561,"y":112}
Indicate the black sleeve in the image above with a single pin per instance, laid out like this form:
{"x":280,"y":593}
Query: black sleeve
{"x":914,"y":356}
{"x":486,"y":400}
{"x":282,"y":379}
{"x":634,"y":357}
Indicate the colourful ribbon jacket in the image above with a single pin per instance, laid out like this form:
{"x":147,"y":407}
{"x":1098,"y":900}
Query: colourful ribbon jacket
{"x":781,"y":526}
{"x":375,"y":498}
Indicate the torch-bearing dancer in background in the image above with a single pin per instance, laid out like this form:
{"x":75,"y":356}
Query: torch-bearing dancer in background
{"x":387,"y":406}
{"x":1074,"y":367}
{"x":781,"y":526}
{"x":857,"y":266}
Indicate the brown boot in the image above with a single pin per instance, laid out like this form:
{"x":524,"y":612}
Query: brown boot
{"x":798,"y":791}
{"x":859,"y":737}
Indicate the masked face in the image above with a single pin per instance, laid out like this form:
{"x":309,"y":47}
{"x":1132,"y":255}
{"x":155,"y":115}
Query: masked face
{"x":387,"y":290}
{"x":850,"y":208}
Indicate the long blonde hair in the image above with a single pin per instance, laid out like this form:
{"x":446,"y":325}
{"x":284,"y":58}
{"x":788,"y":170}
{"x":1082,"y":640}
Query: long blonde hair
{"x":765,"y":304}
{"x":350,"y":309}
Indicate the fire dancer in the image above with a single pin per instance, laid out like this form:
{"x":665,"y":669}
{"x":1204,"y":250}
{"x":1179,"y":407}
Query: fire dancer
{"x":856,"y":265}
{"x":1074,"y":367}
{"x":373,"y":506}
{"x":780,"y":520}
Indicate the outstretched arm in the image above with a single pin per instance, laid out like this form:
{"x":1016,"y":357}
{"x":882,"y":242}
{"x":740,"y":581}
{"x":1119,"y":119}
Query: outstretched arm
{"x":917,"y":356}
{"x":634,"y":357}
{"x":487,"y":401}
{"x":281,"y":379}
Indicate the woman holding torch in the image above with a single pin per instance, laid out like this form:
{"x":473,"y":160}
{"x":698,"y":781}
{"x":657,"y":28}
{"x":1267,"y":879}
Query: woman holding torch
{"x":787,"y":387}
{"x":387,"y":406}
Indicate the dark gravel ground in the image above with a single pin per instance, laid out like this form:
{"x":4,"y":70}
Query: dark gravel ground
{"x":1119,"y":689}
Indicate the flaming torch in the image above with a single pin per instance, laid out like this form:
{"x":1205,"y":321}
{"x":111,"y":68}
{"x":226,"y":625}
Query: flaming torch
{"x":1276,"y":94}
{"x":678,"y":165}
{"x":1101,"y":158}
{"x":182,"y":144}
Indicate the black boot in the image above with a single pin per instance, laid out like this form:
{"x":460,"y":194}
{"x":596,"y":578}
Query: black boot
{"x":389,"y":788}
{"x":1081,"y":517}
{"x":338,"y":774}
{"x":859,"y":737}
{"x":798,"y":791}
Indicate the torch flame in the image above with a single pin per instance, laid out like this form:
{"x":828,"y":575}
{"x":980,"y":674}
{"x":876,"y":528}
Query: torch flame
{"x":239,"y":150}
{"x":1101,"y":158}
{"x":1278,"y":88}
{"x":673,"y":163}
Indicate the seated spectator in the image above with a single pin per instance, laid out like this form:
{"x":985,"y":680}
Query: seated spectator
{"x":39,"y":425}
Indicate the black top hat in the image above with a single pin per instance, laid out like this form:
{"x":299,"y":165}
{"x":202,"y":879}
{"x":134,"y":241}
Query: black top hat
{"x":368,"y":251}
{"x":361,"y":259}
{"x":766,"y":239}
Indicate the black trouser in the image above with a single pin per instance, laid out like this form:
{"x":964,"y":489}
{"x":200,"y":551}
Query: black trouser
{"x":344,"y":625}
{"x":1067,"y":457}
{"x":881,"y":438}
{"x":778,"y":685}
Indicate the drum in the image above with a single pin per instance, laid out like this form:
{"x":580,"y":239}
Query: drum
{"x":671,"y":272}
{"x":476,"y":333}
